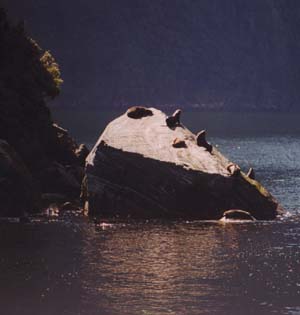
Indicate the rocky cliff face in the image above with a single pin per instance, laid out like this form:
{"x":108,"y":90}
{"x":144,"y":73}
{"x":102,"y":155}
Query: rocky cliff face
{"x":144,"y":166}
{"x":29,"y":77}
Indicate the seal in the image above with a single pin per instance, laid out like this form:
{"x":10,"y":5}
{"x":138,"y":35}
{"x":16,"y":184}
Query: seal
{"x":137,"y":112}
{"x":201,"y":141}
{"x":178,"y":143}
{"x":174,"y":120}
{"x":233,"y":169}
{"x":251,"y":173}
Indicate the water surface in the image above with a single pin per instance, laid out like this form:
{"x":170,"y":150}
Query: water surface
{"x":70,"y":266}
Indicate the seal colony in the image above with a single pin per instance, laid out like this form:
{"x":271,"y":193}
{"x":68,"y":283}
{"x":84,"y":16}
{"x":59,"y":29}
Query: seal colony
{"x":147,"y":165}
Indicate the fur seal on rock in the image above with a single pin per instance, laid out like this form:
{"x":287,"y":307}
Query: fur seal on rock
{"x":177,"y":143}
{"x":233,"y":169}
{"x":201,"y":141}
{"x":251,"y":173}
{"x":137,"y":112}
{"x":174,"y":120}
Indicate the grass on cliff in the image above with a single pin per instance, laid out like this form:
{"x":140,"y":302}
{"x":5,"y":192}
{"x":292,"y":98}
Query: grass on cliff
{"x":26,"y":69}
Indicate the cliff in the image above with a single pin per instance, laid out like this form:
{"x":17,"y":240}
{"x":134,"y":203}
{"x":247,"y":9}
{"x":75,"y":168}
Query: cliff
{"x":29,"y":78}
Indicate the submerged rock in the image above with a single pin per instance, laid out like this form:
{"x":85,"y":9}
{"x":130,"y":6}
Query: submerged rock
{"x":134,"y":171}
{"x":237,"y":215}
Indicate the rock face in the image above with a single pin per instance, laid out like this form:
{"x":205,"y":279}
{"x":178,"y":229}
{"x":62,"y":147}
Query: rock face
{"x":134,"y":171}
{"x":17,"y":189}
{"x":54,"y":163}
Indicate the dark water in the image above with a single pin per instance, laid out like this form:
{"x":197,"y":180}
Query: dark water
{"x":69,"y":266}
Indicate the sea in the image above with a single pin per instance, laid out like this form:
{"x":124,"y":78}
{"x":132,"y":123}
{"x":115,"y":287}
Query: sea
{"x":70,"y":266}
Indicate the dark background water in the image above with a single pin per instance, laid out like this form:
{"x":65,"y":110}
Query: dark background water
{"x":212,"y":53}
{"x":70,"y":266}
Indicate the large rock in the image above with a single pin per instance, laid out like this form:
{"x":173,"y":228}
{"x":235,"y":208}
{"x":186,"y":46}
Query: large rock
{"x":18,"y":193}
{"x":135,"y":171}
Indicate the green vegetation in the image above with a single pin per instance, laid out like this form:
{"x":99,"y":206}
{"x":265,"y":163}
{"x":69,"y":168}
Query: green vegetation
{"x":26,"y":69}
{"x":52,"y":67}
{"x":257,"y":185}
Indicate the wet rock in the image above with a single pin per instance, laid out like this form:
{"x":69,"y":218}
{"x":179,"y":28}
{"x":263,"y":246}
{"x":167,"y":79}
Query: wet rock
{"x":137,"y":112}
{"x":67,"y":206}
{"x":236,"y":214}
{"x":52,"y":211}
{"x":174,"y":120}
{"x":201,"y":141}
{"x":18,"y":192}
{"x":140,"y":175}
{"x":251,"y":173}
{"x":82,"y":152}
{"x":178,"y":143}
{"x":65,"y":147}
{"x":26,"y":84}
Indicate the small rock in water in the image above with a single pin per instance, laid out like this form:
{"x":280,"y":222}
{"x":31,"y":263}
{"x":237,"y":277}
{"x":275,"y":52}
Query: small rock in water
{"x":105,"y":225}
{"x":102,"y":224}
{"x":237,"y":215}
{"x":52,"y":211}
{"x":69,"y":206}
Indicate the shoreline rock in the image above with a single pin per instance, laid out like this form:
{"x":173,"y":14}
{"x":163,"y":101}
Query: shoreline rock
{"x":39,"y":156}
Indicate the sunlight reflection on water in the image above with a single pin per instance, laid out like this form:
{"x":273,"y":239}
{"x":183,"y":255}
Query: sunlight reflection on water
{"x":73,"y":267}
{"x":70,"y":266}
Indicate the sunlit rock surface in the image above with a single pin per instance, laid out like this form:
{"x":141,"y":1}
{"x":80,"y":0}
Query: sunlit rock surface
{"x":134,"y":171}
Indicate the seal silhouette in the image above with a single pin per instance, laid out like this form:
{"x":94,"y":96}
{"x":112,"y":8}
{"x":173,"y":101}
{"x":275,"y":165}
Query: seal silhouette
{"x":174,"y":120}
{"x":201,"y":141}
